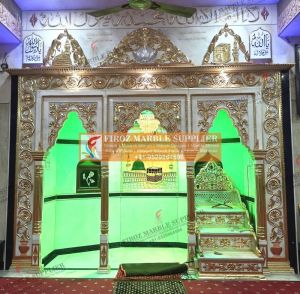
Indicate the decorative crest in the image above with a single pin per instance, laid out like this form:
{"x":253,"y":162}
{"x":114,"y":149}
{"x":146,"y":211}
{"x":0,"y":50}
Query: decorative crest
{"x":212,"y":178}
{"x":222,"y":51}
{"x":145,"y":46}
{"x":65,"y":51}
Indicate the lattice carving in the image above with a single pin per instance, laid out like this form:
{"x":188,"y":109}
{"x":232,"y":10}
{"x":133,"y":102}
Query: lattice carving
{"x":212,"y":178}
{"x":58,"y":113}
{"x":145,"y":46}
{"x":168,"y":113}
{"x":237,"y":109}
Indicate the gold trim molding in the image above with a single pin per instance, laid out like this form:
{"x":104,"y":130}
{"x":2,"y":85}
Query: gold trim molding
{"x":151,"y":69}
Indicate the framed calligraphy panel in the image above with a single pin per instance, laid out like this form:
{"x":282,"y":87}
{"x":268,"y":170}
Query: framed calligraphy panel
{"x":33,"y":50}
{"x":260,"y":45}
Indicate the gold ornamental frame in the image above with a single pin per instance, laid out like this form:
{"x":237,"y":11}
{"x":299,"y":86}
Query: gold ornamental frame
{"x":265,"y":77}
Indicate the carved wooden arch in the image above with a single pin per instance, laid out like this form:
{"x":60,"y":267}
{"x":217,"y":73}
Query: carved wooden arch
{"x":226,"y":30}
{"x":58,"y":113}
{"x":237,"y":111}
{"x":145,"y":46}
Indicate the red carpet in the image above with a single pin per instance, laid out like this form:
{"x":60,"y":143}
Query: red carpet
{"x":104,"y":286}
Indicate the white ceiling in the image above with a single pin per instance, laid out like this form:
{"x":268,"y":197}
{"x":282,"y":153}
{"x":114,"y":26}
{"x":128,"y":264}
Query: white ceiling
{"x":98,"y":4}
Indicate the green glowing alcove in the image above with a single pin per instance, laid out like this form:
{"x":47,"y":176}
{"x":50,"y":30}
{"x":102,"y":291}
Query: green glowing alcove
{"x":237,"y":160}
{"x":62,"y":158}
{"x":70,"y":221}
{"x":60,"y":218}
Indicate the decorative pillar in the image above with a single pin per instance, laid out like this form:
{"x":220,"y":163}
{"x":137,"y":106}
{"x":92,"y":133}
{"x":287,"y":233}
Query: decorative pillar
{"x":261,"y":226}
{"x":36,"y":264}
{"x":103,"y":266}
{"x":191,"y":217}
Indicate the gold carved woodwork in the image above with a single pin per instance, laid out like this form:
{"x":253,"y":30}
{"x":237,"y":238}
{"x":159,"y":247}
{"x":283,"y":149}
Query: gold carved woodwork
{"x":245,"y":268}
{"x":104,"y":227}
{"x":24,"y":177}
{"x":65,"y":51}
{"x":223,"y":53}
{"x":167,"y":112}
{"x":191,"y":197}
{"x":33,"y":80}
{"x":228,"y":219}
{"x":145,"y":46}
{"x":212,"y":178}
{"x":271,"y":94}
{"x":104,"y":198}
{"x":237,"y":109}
{"x":38,"y":195}
{"x":58,"y":113}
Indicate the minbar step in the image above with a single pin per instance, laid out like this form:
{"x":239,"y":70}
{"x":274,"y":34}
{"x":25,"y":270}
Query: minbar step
{"x":230,"y":262}
{"x":219,"y":218}
{"x":231,"y":241}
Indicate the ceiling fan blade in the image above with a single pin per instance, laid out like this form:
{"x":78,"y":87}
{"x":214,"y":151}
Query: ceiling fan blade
{"x":174,"y":9}
{"x":107,"y":11}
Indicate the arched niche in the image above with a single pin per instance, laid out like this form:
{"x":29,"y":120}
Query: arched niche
{"x":236,"y":159}
{"x":62,"y":158}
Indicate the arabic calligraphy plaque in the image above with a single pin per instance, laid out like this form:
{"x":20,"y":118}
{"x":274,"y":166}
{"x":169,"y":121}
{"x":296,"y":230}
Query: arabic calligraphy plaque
{"x":33,"y":49}
{"x":260,"y":45}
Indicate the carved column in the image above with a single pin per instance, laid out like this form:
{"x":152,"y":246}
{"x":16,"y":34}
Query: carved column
{"x":103,"y":266}
{"x":36,"y":264}
{"x":261,"y":226}
{"x":191,"y":216}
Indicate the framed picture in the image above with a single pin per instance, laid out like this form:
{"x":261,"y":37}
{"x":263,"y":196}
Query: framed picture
{"x":297,"y":59}
{"x":88,"y":177}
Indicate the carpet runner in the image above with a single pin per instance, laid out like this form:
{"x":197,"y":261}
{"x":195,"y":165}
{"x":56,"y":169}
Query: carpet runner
{"x":107,"y":286}
{"x":148,"y":287}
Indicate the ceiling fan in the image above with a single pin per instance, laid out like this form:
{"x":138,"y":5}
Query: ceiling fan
{"x":147,"y":4}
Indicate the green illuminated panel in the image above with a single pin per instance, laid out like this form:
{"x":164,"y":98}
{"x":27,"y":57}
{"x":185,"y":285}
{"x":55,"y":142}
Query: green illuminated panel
{"x":237,"y":160}
{"x":76,"y":222}
{"x":60,"y":179}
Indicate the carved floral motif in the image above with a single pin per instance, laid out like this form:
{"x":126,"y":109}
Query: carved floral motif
{"x":145,"y":46}
{"x":168,"y":113}
{"x":237,"y":109}
{"x":58,"y":113}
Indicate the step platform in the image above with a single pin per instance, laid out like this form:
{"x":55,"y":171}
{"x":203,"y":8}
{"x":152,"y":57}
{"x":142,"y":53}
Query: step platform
{"x":243,"y":262}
